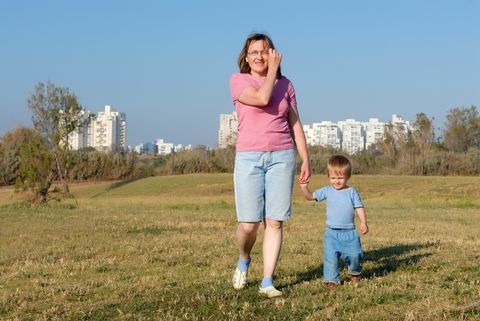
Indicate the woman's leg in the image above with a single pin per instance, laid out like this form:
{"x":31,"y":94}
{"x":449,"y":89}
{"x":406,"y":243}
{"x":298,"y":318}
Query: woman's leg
{"x":246,"y":237}
{"x":272,"y":243}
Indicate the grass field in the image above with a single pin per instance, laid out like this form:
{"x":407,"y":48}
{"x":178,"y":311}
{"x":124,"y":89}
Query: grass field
{"x":163,"y":248}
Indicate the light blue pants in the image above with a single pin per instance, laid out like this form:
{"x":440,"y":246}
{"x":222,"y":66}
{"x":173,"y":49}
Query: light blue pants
{"x":344,"y":244}
{"x":263,"y":185}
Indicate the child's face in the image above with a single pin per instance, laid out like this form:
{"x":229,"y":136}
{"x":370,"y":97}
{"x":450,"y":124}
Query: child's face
{"x":338,"y":180}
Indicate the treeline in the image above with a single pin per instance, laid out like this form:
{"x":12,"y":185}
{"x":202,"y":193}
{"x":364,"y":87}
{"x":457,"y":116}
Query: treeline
{"x":37,"y":158}
{"x":375,"y":160}
{"x":20,"y":155}
{"x":414,"y":152}
{"x":25,"y":157}
{"x":403,"y":151}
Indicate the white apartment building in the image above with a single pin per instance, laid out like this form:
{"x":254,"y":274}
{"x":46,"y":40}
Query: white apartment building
{"x":80,"y":138}
{"x":109,"y":130}
{"x":353,"y":136}
{"x":227,"y":133}
{"x":105,"y":132}
{"x":164,"y":148}
{"x":400,"y":126}
{"x":160,"y":147}
{"x":396,"y":119}
{"x":374,"y":131}
{"x":349,"y":135}
{"x":325,"y":134}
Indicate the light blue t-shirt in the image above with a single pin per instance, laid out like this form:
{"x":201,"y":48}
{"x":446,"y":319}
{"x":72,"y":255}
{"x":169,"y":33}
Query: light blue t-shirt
{"x":341,"y":205}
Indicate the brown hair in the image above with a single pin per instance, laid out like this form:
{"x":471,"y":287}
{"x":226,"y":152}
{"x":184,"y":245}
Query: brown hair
{"x":339,"y":164}
{"x":242,"y":63}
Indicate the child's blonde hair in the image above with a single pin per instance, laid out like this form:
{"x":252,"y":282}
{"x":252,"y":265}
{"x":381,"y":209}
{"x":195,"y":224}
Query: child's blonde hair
{"x":339,"y":165}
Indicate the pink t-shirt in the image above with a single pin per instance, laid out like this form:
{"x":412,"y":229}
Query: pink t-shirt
{"x":263,"y":129}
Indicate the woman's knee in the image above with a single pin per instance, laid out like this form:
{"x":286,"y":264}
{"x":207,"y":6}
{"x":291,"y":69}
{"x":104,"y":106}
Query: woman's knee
{"x":248,"y":228}
{"x":273,"y":224}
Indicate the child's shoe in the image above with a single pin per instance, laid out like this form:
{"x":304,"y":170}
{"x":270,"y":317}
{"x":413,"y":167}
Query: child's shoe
{"x":355,"y":278}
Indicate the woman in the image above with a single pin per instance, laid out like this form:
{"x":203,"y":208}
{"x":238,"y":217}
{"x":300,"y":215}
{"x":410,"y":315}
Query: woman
{"x":269,"y":129}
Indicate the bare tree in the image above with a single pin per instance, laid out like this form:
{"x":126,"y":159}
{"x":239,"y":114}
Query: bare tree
{"x":56,"y":114}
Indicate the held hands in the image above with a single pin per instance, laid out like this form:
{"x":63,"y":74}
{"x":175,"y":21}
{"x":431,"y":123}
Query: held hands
{"x":304,"y":179}
{"x":304,"y":174}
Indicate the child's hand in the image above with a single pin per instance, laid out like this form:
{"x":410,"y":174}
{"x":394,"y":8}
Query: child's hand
{"x":364,"y":228}
{"x":306,"y":191}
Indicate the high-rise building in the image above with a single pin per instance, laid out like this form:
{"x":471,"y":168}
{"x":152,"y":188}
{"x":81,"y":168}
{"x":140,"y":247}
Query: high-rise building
{"x":325,"y":133}
{"x":400,"y":126}
{"x":105,"y":132}
{"x":353,"y":136}
{"x":374,"y":131}
{"x":80,"y":138}
{"x":109,"y":130}
{"x":350,"y":135}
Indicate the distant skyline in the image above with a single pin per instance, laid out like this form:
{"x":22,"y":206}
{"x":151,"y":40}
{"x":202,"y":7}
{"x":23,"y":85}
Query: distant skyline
{"x":166,"y":64}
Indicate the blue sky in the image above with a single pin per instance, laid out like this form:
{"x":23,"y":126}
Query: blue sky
{"x":166,"y":64}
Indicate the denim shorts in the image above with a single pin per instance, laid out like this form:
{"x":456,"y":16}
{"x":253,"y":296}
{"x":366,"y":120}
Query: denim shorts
{"x":263,"y":185}
{"x":344,"y":244}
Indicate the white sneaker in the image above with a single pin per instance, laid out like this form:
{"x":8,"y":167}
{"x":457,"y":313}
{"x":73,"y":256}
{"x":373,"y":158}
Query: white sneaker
{"x":270,"y":291}
{"x":239,"y":279}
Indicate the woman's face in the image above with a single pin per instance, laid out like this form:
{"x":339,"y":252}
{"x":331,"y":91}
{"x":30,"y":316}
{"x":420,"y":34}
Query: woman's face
{"x":257,"y":57}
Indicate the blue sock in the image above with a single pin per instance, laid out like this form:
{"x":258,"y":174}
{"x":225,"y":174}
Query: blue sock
{"x":267,"y":282}
{"x":243,"y":264}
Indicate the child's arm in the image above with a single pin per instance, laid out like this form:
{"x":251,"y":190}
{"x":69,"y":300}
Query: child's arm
{"x":306,"y":192}
{"x":362,"y":215}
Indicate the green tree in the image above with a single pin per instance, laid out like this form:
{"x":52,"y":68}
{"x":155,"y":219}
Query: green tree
{"x":387,"y":149}
{"x":462,"y":129}
{"x":37,"y":170}
{"x":10,"y":158}
{"x":423,"y":132}
{"x":56,"y":114}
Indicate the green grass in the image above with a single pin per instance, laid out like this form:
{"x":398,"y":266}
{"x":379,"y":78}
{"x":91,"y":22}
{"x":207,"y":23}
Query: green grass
{"x":163,"y":248}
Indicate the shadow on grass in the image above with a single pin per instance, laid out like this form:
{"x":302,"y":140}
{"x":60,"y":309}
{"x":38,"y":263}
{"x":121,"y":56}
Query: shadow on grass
{"x":385,"y":261}
{"x":389,"y":259}
{"x":116,"y":185}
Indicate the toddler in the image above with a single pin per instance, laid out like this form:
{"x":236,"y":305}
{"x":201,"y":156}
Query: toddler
{"x":341,"y":239}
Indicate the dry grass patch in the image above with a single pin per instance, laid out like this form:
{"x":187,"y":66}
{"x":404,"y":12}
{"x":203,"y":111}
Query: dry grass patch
{"x":163,"y":248}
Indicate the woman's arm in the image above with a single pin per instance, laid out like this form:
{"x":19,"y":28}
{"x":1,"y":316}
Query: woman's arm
{"x":300,"y":142}
{"x":261,"y":96}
